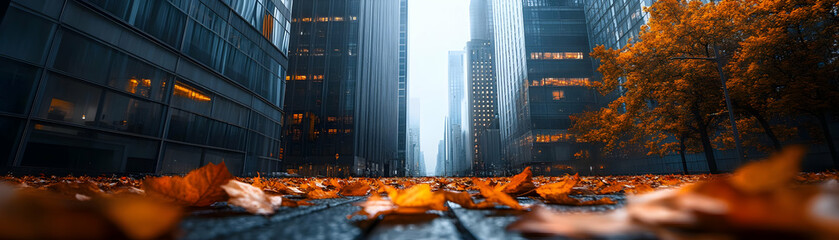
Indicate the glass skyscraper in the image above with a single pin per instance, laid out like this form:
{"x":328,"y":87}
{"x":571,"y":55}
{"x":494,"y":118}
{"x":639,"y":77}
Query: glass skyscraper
{"x":119,"y":86}
{"x":481,"y":90}
{"x":342,"y":99}
{"x":542,"y":67}
{"x":402,"y":163}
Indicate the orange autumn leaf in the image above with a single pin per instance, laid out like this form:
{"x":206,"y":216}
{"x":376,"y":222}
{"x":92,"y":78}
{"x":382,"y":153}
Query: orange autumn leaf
{"x":495,"y":197}
{"x":769,"y":174}
{"x":610,"y":189}
{"x":418,"y":196}
{"x":321,"y":194}
{"x":142,"y":218}
{"x":520,"y":184}
{"x":567,"y":200}
{"x":355,"y":189}
{"x":559,"y":188}
{"x":200,"y":187}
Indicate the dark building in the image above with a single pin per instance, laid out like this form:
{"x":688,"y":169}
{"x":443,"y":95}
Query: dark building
{"x":542,"y":68}
{"x":402,"y":138}
{"x":342,"y":99}
{"x":457,"y":150}
{"x":116,"y":86}
{"x":481,"y":88}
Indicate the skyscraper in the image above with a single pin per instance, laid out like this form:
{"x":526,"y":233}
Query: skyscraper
{"x":543,"y":68}
{"x":342,"y":99}
{"x":112,"y":86}
{"x":457,"y":153}
{"x":403,"y":89}
{"x":613,"y":23}
{"x":414,"y":160}
{"x":481,"y":85}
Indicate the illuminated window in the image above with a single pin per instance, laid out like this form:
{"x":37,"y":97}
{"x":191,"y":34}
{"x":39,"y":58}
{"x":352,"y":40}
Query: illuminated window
{"x":317,"y":77}
{"x":556,"y":55}
{"x":190,"y":93}
{"x":296,"y":77}
{"x":557,"y":95}
{"x":323,"y":19}
{"x":338,"y":19}
{"x":561,"y":82}
{"x":306,"y":19}
{"x":267,"y":26}
{"x":296,"y":118}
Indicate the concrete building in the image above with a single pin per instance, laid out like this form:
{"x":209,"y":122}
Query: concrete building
{"x":111,"y":86}
{"x":343,"y":91}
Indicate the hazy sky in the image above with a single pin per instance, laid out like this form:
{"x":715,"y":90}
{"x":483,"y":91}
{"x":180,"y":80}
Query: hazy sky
{"x":434,"y":28}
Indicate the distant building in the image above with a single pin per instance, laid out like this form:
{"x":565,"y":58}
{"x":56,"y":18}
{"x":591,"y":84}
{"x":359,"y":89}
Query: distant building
{"x":456,"y":139}
{"x":542,"y":67}
{"x":481,"y":87}
{"x":441,"y":168}
{"x":343,"y":89}
{"x":99,"y":86}
{"x":402,"y":122}
{"x":415,"y":163}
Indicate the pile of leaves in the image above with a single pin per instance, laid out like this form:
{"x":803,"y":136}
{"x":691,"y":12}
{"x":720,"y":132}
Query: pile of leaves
{"x":770,"y":196}
{"x":759,"y":200}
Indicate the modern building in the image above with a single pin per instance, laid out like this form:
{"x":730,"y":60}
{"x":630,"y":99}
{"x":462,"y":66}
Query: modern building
{"x":342,"y":99}
{"x":402,"y":123}
{"x":613,"y":23}
{"x":441,"y":168}
{"x":542,"y":68}
{"x":415,"y":163}
{"x":113,"y":86}
{"x":456,"y":136}
{"x":481,"y":86}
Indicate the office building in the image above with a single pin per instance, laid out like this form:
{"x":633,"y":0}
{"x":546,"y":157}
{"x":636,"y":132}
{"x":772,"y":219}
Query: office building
{"x":456,"y":135}
{"x":481,"y":86}
{"x":342,"y":98}
{"x":403,"y":90}
{"x":542,"y":68}
{"x":113,"y":86}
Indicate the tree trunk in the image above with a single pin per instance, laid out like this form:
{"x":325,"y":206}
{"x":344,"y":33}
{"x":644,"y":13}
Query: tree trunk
{"x":766,"y":127}
{"x":682,"y":152}
{"x":706,"y":141}
{"x":829,"y":139}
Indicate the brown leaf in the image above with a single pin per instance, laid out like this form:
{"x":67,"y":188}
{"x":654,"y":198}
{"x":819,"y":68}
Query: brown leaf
{"x":142,"y":218}
{"x":251,"y":198}
{"x":494,"y":196}
{"x":520,"y":184}
{"x":201,"y":187}
{"x":770,"y":174}
{"x":355,"y":189}
{"x":321,"y":194}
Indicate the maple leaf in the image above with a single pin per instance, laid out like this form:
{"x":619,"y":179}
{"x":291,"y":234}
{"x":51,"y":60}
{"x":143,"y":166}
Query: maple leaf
{"x":200,"y":187}
{"x":495,"y":196}
{"x":251,"y":198}
{"x":355,"y":189}
{"x":521,"y":184}
{"x":321,"y":194}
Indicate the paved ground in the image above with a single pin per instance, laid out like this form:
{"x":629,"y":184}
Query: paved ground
{"x":327,"y":219}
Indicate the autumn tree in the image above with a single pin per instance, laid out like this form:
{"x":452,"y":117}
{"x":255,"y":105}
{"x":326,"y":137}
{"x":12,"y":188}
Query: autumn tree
{"x":788,"y":66}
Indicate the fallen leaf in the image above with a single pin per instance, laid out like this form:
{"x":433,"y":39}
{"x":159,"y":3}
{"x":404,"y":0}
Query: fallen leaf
{"x":200,"y":187}
{"x":251,"y":198}
{"x":355,"y":189}
{"x":542,"y":220}
{"x":521,"y":184}
{"x":495,"y":197}
{"x":321,"y":194}
{"x":142,"y":218}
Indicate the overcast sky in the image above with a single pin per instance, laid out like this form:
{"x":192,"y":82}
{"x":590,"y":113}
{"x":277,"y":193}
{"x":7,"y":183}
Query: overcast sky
{"x":434,"y":28}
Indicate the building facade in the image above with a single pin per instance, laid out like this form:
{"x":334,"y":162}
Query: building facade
{"x":342,"y":99}
{"x":403,"y":91}
{"x":457,"y":151}
{"x":481,"y":88}
{"x":416,"y":165}
{"x":111,"y":86}
{"x":543,"y":68}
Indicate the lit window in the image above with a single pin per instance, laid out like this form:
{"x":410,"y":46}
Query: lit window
{"x":556,"y":55}
{"x":190,"y":93}
{"x":296,"y":118}
{"x":561,"y":82}
{"x":557,"y":95}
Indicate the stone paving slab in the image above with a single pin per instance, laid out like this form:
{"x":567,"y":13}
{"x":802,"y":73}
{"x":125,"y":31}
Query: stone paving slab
{"x":327,"y":219}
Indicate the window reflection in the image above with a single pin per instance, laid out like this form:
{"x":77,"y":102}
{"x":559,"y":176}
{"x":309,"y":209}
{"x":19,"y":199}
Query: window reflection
{"x":561,"y":82}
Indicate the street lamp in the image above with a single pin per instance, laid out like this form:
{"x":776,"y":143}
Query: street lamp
{"x":717,"y":59}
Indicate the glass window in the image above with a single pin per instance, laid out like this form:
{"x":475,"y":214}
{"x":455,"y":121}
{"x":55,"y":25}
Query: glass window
{"x":158,"y":18}
{"x":130,"y":115}
{"x":8,"y":141}
{"x":70,"y":101}
{"x":24,"y":35}
{"x":205,"y":46}
{"x":190,"y":98}
{"x":188,"y":127}
{"x":179,"y":159}
{"x":138,"y":78}
{"x":17,"y":83}
{"x":226,"y":136}
{"x":84,"y":150}
{"x":82,"y":57}
{"x":230,"y":112}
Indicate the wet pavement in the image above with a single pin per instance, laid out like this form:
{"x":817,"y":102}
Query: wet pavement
{"x":327,"y":219}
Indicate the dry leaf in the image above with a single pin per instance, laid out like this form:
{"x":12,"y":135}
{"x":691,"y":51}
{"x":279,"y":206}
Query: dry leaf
{"x":520,"y":184}
{"x":200,"y":187}
{"x":494,"y":196}
{"x":142,"y":218}
{"x":251,"y":198}
{"x":355,"y":189}
{"x":542,"y":220}
{"x":321,"y":194}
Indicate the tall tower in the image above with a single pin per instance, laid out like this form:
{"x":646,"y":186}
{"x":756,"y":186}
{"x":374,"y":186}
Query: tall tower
{"x":456,"y":141}
{"x":402,"y":123}
{"x":481,"y":87}
{"x":343,"y":94}
{"x":543,"y":68}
